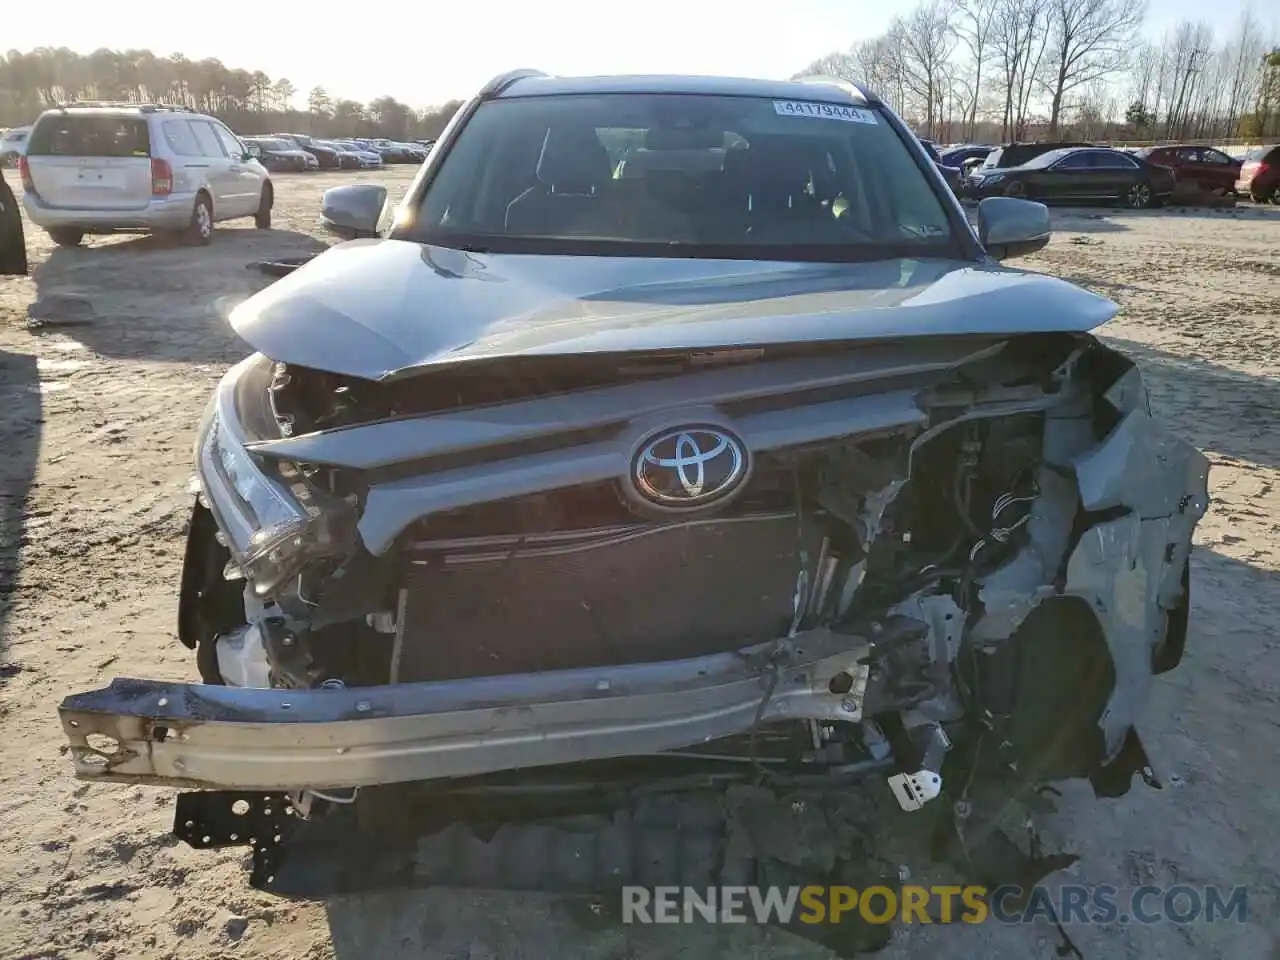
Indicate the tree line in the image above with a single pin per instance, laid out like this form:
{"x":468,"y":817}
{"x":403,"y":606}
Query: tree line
{"x":988,"y":70}
{"x":249,"y":101}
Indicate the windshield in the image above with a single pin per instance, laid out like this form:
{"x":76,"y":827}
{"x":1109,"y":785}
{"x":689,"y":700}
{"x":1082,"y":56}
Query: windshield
{"x":699,"y":175}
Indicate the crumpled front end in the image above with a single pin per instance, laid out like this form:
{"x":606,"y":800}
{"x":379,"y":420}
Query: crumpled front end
{"x":809,"y":568}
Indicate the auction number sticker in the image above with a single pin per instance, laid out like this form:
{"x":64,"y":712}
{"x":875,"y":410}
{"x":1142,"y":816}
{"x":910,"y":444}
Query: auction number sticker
{"x":823,"y":111}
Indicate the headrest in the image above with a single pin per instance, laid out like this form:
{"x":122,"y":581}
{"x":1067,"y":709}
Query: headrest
{"x":775,"y":172}
{"x":573,"y":161}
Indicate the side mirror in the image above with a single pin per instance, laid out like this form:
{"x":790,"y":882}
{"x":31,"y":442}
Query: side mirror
{"x":352,"y":212}
{"x":1009,"y":227}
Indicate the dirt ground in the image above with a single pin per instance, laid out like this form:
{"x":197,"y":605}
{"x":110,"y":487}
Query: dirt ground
{"x":97,"y":412}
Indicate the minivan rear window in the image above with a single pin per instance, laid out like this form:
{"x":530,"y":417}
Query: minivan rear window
{"x":87,"y":135}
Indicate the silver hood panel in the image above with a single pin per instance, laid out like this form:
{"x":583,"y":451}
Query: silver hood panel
{"x":381,"y":308}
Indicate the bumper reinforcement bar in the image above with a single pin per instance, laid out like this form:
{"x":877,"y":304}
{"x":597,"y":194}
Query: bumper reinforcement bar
{"x":194,"y":735}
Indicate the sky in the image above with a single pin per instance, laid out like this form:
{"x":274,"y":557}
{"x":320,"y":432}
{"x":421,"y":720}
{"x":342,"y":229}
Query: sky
{"x":425,"y":53}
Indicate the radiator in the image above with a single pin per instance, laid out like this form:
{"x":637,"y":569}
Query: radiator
{"x":626,"y":594}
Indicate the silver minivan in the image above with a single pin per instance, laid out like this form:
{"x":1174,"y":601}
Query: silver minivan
{"x":121,"y":168}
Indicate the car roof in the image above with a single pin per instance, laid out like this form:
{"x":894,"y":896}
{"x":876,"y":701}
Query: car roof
{"x":121,"y":110}
{"x":822,"y":89}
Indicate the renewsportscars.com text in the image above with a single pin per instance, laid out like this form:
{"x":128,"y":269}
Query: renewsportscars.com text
{"x":1069,"y":903}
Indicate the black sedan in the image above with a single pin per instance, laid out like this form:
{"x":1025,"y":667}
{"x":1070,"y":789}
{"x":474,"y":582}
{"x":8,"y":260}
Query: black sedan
{"x":326,"y":157}
{"x":281,"y":155}
{"x":1077,"y":174}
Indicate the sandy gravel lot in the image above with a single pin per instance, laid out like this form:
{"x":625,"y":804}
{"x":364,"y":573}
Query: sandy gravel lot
{"x":97,"y":413}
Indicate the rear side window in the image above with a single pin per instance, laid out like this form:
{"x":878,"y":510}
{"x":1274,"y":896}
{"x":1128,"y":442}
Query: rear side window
{"x":233,"y":147}
{"x":1113,"y":161}
{"x":180,"y":139}
{"x":89,"y":135}
{"x":208,"y":140}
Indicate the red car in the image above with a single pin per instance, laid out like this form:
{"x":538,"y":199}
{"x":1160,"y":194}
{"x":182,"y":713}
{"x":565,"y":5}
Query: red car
{"x":1209,"y":168}
{"x":1260,"y":174}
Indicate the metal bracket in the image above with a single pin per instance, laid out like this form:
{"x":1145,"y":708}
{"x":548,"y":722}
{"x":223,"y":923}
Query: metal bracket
{"x":208,"y":819}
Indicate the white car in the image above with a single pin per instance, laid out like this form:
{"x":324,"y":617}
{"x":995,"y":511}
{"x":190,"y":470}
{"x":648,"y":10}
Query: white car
{"x":130,"y":168}
{"x":13,"y":145}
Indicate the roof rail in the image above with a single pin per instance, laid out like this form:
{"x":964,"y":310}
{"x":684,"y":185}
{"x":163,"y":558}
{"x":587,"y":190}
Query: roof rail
{"x":117,"y":104}
{"x":503,"y":80}
{"x":848,"y":86}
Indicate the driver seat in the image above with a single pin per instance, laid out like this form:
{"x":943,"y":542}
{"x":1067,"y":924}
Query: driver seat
{"x":572,"y":169}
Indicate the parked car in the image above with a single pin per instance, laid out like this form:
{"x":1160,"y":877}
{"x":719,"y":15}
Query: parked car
{"x":349,"y":157}
{"x":393,"y":151}
{"x":1016,"y":154}
{"x":131,"y":168}
{"x":369,"y":159}
{"x":415,"y":152}
{"x":965,"y":155}
{"x":1260,"y":174}
{"x":953,"y":175}
{"x":13,"y":144}
{"x":277,"y":153}
{"x":553,"y":480}
{"x":1206,"y":167}
{"x":327,"y":158}
{"x":1077,"y":174}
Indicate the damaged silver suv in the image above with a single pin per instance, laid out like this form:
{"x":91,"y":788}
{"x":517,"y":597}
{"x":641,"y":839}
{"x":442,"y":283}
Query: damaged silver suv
{"x":669,"y":430}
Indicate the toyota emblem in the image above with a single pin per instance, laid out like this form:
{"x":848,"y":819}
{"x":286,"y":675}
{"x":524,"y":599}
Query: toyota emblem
{"x":686,"y":467}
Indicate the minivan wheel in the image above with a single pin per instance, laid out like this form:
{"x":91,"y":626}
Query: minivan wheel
{"x":66,"y":236}
{"x":262,"y":219}
{"x":200,"y":230}
{"x":1139,"y":196}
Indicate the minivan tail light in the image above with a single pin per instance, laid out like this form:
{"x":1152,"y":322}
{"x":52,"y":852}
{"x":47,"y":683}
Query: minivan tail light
{"x":161,"y":177}
{"x":24,"y":171}
{"x":1262,"y":169}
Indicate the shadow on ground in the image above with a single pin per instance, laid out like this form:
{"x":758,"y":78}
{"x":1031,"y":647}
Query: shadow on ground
{"x":20,"y":428}
{"x":148,"y":299}
{"x":1206,"y":751}
{"x":1213,"y":406}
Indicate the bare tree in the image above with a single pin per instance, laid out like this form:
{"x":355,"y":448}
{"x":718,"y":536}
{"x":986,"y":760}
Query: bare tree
{"x":1143,"y":89}
{"x":1088,"y":41}
{"x":1241,"y":57}
{"x":927,"y":42}
{"x":1019,"y":37}
{"x":974,"y":22}
{"x":880,"y":62}
{"x":1192,"y":44}
{"x":839,"y":65}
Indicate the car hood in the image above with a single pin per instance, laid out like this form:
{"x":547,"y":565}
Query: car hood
{"x":382,"y":308}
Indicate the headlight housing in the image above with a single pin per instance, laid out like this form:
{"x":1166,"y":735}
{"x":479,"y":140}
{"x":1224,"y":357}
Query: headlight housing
{"x":991,"y":178}
{"x":275,"y":522}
